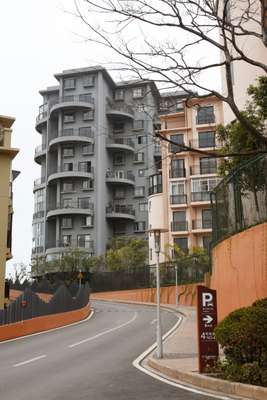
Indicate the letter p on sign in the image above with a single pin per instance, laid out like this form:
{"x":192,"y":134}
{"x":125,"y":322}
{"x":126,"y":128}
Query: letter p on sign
{"x":207,"y":299}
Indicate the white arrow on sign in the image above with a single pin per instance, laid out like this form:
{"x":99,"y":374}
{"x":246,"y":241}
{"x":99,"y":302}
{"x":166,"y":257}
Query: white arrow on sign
{"x":208,"y":319}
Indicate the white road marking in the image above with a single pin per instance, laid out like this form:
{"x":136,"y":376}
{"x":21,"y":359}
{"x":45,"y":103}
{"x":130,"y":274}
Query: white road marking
{"x":104,"y":332}
{"x":29,"y":361}
{"x":50,"y":330}
{"x":154,"y":320}
{"x":137,"y":363}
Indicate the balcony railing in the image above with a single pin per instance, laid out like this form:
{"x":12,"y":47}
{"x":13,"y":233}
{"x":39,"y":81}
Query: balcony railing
{"x":125,"y":141}
{"x":200,"y":196}
{"x":205,"y":119}
{"x":155,"y":189}
{"x":73,"y":243}
{"x":202,"y":224}
{"x":123,"y":108}
{"x":80,"y":168}
{"x":177,"y":173}
{"x":38,"y":214}
{"x":40,"y":148}
{"x":42,"y":115}
{"x":203,"y":169}
{"x":120,"y":209}
{"x":115,"y":175}
{"x":179,"y":226}
{"x":84,"y":98}
{"x":76,"y":204}
{"x":39,"y":181}
{"x":77,"y":132}
{"x":204,"y":143}
{"x":178,"y":199}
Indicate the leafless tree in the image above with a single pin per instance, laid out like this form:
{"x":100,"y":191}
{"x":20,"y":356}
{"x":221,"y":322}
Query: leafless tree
{"x":159,"y":40}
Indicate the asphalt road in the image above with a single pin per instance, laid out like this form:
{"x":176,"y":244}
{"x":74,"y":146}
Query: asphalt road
{"x":92,"y":360}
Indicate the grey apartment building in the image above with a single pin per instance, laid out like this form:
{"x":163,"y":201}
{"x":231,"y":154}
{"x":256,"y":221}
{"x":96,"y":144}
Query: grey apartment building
{"x":96,"y":154}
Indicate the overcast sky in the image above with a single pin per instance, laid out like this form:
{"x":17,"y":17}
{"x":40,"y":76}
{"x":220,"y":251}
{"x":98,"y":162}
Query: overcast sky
{"x":38,"y":38}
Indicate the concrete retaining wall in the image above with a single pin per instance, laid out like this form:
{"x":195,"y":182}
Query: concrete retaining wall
{"x":44,"y":323}
{"x":239,"y":271}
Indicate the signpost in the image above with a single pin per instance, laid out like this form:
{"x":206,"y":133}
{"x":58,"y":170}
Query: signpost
{"x":207,"y":321}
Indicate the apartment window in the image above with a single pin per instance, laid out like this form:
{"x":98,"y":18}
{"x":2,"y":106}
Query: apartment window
{"x":208,"y":165}
{"x":205,"y":115}
{"x":206,"y":139}
{"x":119,"y":193}
{"x":87,"y":184}
{"x":182,"y":243}
{"x":179,"y":106}
{"x":138,"y":124}
{"x":68,"y":151}
{"x":85,"y":166}
{"x":119,"y":94}
{"x":66,"y":222}
{"x":118,"y":127}
{"x":84,"y":241}
{"x":141,"y":140}
{"x":119,"y":228}
{"x":88,"y":221}
{"x":38,"y":234}
{"x":139,"y":191}
{"x":177,"y":188}
{"x":204,"y":185}
{"x":67,"y":167}
{"x":141,"y":173}
{"x":87,"y":149}
{"x":179,"y":139}
{"x":39,"y":200}
{"x":67,"y":203}
{"x":85,"y":131}
{"x":84,"y":202}
{"x":179,"y":222}
{"x":88,"y":80}
{"x":177,"y":168}
{"x":139,"y":157}
{"x":66,"y":240}
{"x":67,"y":132}
{"x":143,"y":207}
{"x":119,"y":159}
{"x":69,"y":117}
{"x":88,"y":115}
{"x":138,"y":92}
{"x":68,"y":187}
{"x":69,"y":83}
{"x":207,"y":218}
{"x":140,"y":226}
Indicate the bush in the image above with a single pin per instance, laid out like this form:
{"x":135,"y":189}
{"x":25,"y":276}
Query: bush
{"x":243,"y":337}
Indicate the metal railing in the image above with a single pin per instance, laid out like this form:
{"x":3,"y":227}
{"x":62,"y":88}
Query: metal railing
{"x":177,"y":173}
{"x":120,"y":209}
{"x":177,"y":148}
{"x":39,"y":181}
{"x":203,"y":169}
{"x":83,"y":98}
{"x":155,"y":189}
{"x":125,"y":141}
{"x":71,"y":243}
{"x":240,"y":200}
{"x":83,"y":131}
{"x":38,"y":214}
{"x":205,"y":119}
{"x":88,"y":169}
{"x":39,"y":148}
{"x":42,"y":115}
{"x":76,"y":204}
{"x":124,"y":108}
{"x":178,"y":226}
{"x":200,"y":196}
{"x":201,"y":224}
{"x":204,"y":143}
{"x":178,"y":199}
{"x":116,"y":175}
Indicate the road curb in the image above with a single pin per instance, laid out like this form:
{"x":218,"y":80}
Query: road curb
{"x":210,"y":383}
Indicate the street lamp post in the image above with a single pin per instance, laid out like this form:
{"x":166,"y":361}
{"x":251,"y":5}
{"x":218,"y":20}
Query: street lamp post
{"x":157,"y":234}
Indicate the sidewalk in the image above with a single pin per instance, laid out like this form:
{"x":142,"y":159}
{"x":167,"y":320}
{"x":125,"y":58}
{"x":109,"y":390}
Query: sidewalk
{"x":180,"y":362}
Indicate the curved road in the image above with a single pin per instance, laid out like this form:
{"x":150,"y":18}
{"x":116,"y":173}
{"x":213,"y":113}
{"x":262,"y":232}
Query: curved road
{"x":91,"y":360}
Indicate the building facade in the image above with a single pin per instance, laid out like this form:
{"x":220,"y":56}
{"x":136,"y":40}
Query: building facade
{"x":179,"y":195}
{"x":7,"y":153}
{"x":97,"y":151}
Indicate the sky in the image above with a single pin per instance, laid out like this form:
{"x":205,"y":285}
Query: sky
{"x":38,"y":39}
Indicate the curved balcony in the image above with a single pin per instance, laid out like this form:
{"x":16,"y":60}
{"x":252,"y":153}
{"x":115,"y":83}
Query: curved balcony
{"x":75,"y":173}
{"x":120,"y":212}
{"x":60,"y":246}
{"x":84,"y":101}
{"x":120,"y":178}
{"x":82,"y":207}
{"x":73,"y":135}
{"x":39,"y":152}
{"x":41,"y":120}
{"x":120,"y":144}
{"x":119,"y":111}
{"x":39,"y":183}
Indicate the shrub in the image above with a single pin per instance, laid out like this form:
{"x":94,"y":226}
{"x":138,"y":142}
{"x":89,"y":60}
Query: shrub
{"x":260,"y":303}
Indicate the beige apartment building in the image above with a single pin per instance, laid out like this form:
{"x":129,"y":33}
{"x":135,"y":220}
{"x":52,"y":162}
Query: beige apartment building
{"x":7,"y":153}
{"x":179,"y":195}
